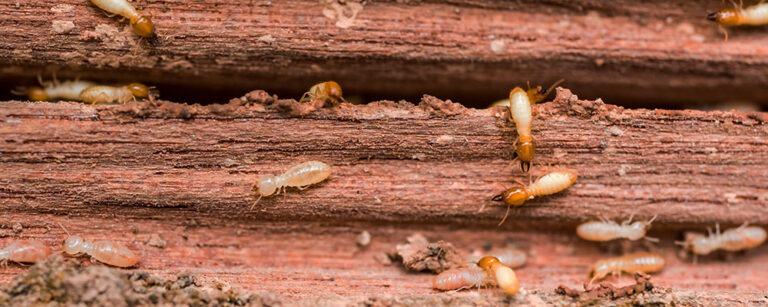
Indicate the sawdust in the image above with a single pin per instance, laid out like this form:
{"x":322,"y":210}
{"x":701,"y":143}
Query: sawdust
{"x":607,"y":290}
{"x":58,"y":281}
{"x":420,"y":255}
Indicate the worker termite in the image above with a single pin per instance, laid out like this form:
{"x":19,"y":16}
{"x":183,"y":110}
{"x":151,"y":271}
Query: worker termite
{"x":606,"y":230}
{"x":111,"y":94}
{"x":24,"y":251}
{"x":52,"y":90}
{"x":755,"y":15}
{"x":461,"y":278}
{"x":329,"y":91}
{"x":299,"y":176}
{"x":505,"y":276}
{"x":104,"y":251}
{"x":632,"y":263}
{"x":142,"y":25}
{"x":548,"y":184}
{"x":520,"y":102}
{"x":734,"y":239}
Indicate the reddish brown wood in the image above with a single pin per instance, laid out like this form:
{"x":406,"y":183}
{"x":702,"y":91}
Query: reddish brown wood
{"x":184,"y":173}
{"x":657,"y":53}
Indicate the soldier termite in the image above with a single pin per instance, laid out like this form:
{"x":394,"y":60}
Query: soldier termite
{"x":52,"y":90}
{"x":632,"y":263}
{"x":25,"y":251}
{"x":112,"y":94}
{"x":735,"y":239}
{"x":755,"y":15}
{"x":299,"y":176}
{"x":142,"y":25}
{"x":606,"y":230}
{"x":520,"y":102}
{"x":104,"y":251}
{"x":548,"y":184}
{"x":329,"y":91}
{"x":505,"y":276}
{"x":513,"y":258}
{"x":461,"y":278}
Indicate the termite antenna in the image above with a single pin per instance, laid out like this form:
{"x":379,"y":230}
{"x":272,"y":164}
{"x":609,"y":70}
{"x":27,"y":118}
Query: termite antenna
{"x":552,"y":87}
{"x":652,"y":239}
{"x":62,"y":227}
{"x":652,"y":219}
{"x":19,"y":91}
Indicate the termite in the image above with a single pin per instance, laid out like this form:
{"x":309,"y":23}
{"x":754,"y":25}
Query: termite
{"x":104,"y":251}
{"x":111,"y":94}
{"x":755,"y":15}
{"x":24,"y":251}
{"x":329,"y":91}
{"x":734,"y":239}
{"x":142,"y":25}
{"x":505,"y":276}
{"x":52,"y":90}
{"x":513,"y":258}
{"x":606,"y":230}
{"x":632,"y":263}
{"x":461,"y":278}
{"x":520,"y":102}
{"x":548,"y":184}
{"x":299,"y":176}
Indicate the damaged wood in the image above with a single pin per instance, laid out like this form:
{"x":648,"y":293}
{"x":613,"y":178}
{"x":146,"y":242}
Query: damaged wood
{"x":649,"y":53}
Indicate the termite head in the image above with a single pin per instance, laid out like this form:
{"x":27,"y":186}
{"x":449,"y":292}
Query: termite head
{"x":638,"y":229}
{"x":487,"y":261}
{"x":267,"y":185}
{"x":696,"y":243}
{"x":36,"y":93}
{"x":754,"y":235}
{"x":725,"y":17}
{"x":333,"y":89}
{"x":599,"y":270}
{"x":514,"y":196}
{"x":537,"y":94}
{"x":73,"y":245}
{"x":138,"y":89}
{"x":143,"y":27}
{"x":525,"y":152}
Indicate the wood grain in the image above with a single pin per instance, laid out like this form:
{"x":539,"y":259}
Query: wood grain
{"x":646,"y":53}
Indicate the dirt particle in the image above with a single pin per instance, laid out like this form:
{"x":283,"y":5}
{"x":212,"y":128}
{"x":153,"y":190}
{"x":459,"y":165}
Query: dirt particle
{"x":439,"y":107}
{"x":604,"y":289}
{"x":443,"y":140}
{"x":363,"y":239}
{"x":382,"y":258}
{"x":344,"y":13}
{"x":268,"y":38}
{"x":17,"y":228}
{"x":63,"y":26}
{"x":421,"y":255}
{"x":155,"y":240}
{"x":615,"y":131}
{"x":623,"y":169}
{"x":599,"y":62}
{"x":497,"y":46}
{"x":61,"y":8}
{"x":731,"y":198}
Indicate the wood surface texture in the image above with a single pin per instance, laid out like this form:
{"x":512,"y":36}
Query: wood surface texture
{"x":641,"y":53}
{"x":185,"y":173}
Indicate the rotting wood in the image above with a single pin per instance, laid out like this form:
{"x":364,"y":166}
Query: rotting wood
{"x":656,"y":52}
{"x":183,"y":173}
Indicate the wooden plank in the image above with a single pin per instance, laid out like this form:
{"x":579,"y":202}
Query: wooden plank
{"x":647,"y":53}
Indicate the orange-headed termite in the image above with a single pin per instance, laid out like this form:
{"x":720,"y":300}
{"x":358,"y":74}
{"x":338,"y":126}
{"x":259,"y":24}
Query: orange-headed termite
{"x":299,"y":176}
{"x":606,"y":230}
{"x":461,"y":278}
{"x":24,"y":251}
{"x":513,"y":258}
{"x":632,"y":263}
{"x":548,"y":184}
{"x":142,"y":24}
{"x":329,"y":91}
{"x":755,"y":15}
{"x":112,"y":94}
{"x":53,"y":90}
{"x":520,"y":102}
{"x":734,"y":239}
{"x":505,"y":276}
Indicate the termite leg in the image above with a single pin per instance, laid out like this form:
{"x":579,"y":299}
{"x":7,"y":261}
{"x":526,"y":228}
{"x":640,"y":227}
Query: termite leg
{"x":722,"y":29}
{"x":505,"y":215}
{"x":627,"y":222}
{"x":652,"y":239}
{"x":717,"y":229}
{"x":254,"y":203}
{"x":745,"y":223}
